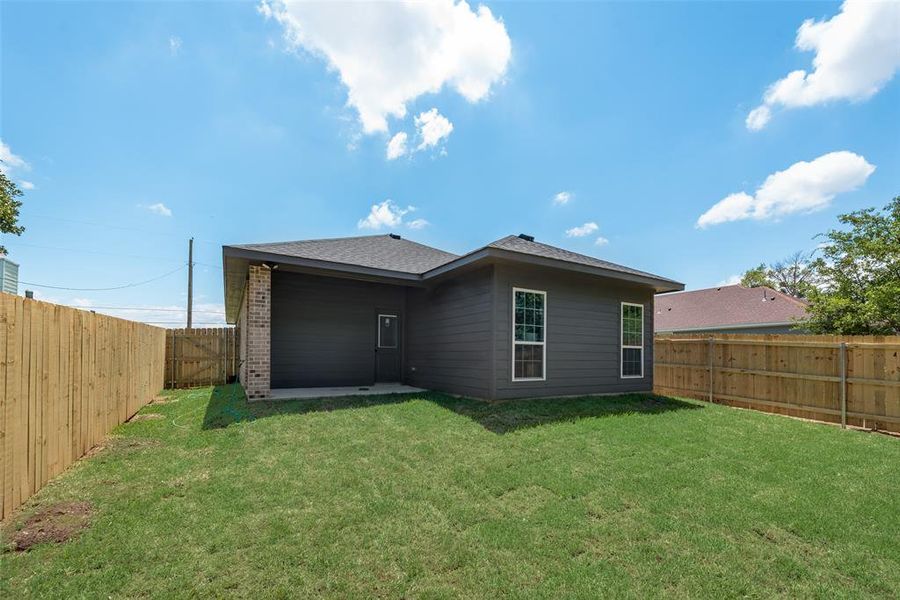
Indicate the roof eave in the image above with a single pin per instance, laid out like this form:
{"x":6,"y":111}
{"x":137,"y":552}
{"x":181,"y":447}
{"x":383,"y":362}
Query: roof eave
{"x":737,"y":326}
{"x":658,"y":284}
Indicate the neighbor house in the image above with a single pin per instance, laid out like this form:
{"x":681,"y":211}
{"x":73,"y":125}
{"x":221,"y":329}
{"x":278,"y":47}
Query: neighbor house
{"x":516,"y":318}
{"x":729,"y":309}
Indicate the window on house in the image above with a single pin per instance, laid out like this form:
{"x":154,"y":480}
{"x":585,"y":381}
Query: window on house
{"x":529,"y":339}
{"x":632,"y":340}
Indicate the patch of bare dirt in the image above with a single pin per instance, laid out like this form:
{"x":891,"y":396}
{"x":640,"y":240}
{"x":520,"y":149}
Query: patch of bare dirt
{"x":147,"y":417}
{"x":56,"y":523}
{"x":123,"y":444}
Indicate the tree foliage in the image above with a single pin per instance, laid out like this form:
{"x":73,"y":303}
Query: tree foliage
{"x":859,"y":269}
{"x":9,"y":208}
{"x":795,"y":276}
{"x":757,"y":277}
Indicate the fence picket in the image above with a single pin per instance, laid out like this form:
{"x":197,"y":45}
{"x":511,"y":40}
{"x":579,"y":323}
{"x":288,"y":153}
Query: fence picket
{"x":850,"y":379}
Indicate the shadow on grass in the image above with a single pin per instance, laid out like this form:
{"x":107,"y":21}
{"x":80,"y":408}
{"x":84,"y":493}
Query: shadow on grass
{"x":228,"y":405}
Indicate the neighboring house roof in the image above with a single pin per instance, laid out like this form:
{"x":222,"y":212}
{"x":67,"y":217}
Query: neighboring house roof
{"x":729,"y":306}
{"x":374,"y":251}
{"x":390,"y":257}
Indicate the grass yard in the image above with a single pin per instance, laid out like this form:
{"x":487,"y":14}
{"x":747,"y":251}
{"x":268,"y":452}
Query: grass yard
{"x":434,"y":496}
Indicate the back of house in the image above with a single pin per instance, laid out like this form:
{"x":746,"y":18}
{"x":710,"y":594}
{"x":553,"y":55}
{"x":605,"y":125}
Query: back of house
{"x":513,"y":319}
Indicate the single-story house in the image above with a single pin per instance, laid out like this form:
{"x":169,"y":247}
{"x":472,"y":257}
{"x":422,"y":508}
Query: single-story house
{"x":729,"y":309}
{"x":516,"y":318}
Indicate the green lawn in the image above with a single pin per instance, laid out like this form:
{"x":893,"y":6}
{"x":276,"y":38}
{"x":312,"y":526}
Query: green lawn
{"x":434,"y":496}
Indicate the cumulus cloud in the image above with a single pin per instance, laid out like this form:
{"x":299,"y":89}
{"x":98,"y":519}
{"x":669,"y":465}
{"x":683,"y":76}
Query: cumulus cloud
{"x":397,"y":146}
{"x":26,"y":185}
{"x":418,"y":224}
{"x":562,"y":198}
{"x":802,"y":187}
{"x":856,"y":53}
{"x":160,"y":209}
{"x":387,"y":54}
{"x":384,"y":214}
{"x":583,"y":230}
{"x":730,"y":280}
{"x":10,"y":160}
{"x":174,"y":45}
{"x":601,"y":241}
{"x":432,"y":127}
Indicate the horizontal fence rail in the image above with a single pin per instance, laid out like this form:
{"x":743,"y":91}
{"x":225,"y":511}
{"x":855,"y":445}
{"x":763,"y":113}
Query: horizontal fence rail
{"x":852,"y":380}
{"x":67,"y":377}
{"x":199,"y":357}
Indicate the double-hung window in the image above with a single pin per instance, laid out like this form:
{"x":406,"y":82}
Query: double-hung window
{"x":529,"y":335}
{"x":632,"y":340}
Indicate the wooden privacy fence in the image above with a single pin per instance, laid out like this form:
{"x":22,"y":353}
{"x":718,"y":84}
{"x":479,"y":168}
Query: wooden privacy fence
{"x":196,"y":357}
{"x":852,"y":380}
{"x":67,"y":377}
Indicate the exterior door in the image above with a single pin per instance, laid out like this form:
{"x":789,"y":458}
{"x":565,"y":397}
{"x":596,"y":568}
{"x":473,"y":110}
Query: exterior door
{"x":387,"y":350}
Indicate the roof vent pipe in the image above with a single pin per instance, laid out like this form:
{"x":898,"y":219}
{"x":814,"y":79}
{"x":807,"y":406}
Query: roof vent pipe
{"x":394,"y":235}
{"x":526,"y":237}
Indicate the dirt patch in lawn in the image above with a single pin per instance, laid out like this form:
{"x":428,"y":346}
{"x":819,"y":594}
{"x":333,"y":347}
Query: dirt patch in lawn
{"x":56,"y":523}
{"x":123,"y":444}
{"x":147,"y":417}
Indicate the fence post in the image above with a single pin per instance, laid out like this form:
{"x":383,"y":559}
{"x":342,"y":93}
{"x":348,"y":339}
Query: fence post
{"x":843,"y":351}
{"x":711,"y":343}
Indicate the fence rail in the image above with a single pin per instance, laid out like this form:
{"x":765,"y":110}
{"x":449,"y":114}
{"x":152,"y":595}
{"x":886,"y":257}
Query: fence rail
{"x":852,"y":380}
{"x":67,"y":377}
{"x":197,"y":357}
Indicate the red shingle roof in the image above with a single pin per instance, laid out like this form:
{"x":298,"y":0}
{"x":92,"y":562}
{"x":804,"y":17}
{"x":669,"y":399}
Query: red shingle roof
{"x":725,"y":306}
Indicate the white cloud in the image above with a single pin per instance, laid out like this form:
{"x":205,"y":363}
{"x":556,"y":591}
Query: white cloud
{"x":388,"y":54}
{"x":583,"y":230}
{"x":857,"y":53}
{"x":26,"y":185}
{"x":418,"y":224}
{"x":174,"y":45}
{"x":601,"y":241}
{"x":385,"y":214}
{"x":9,"y":160}
{"x":730,"y":280}
{"x":562,"y":198}
{"x":159,"y":209}
{"x":432,"y":127}
{"x":397,"y":146}
{"x":802,"y":187}
{"x":758,"y":118}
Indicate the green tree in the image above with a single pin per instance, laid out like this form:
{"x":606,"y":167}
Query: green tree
{"x":795,"y":276}
{"x":9,"y":208}
{"x":757,"y":277}
{"x":860,"y":273}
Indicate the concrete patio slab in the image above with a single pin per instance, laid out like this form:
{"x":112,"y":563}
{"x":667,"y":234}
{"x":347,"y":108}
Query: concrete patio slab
{"x":334,"y":392}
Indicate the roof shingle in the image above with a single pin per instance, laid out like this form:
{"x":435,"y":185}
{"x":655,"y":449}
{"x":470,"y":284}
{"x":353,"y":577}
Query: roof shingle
{"x":725,"y":306}
{"x":373,"y":251}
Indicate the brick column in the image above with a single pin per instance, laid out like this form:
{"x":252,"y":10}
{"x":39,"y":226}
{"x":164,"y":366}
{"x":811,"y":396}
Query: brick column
{"x":259,"y":313}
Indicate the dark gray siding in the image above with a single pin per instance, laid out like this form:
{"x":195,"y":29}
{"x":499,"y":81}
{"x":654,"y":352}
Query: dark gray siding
{"x":583,"y":333}
{"x":324,"y":329}
{"x":449,"y":335}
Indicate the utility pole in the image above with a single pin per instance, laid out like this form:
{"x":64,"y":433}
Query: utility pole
{"x":190,"y":305}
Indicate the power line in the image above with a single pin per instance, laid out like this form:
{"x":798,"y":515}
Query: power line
{"x":86,"y":251}
{"x":122,"y":227}
{"x":118,"y":287}
{"x":150,"y":309}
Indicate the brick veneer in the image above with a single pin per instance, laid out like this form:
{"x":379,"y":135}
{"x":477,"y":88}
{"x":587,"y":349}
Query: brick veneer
{"x":257,"y":376}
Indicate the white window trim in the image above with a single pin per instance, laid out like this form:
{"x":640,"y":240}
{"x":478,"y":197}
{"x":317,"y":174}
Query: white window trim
{"x":512,"y":335}
{"x":622,"y":345}
{"x":379,"y":332}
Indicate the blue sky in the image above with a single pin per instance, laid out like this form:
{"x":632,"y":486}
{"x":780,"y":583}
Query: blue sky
{"x":120,"y":113}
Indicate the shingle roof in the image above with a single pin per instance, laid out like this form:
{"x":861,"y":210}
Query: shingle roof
{"x":514,"y":243}
{"x":373,"y":251}
{"x":725,"y":306}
